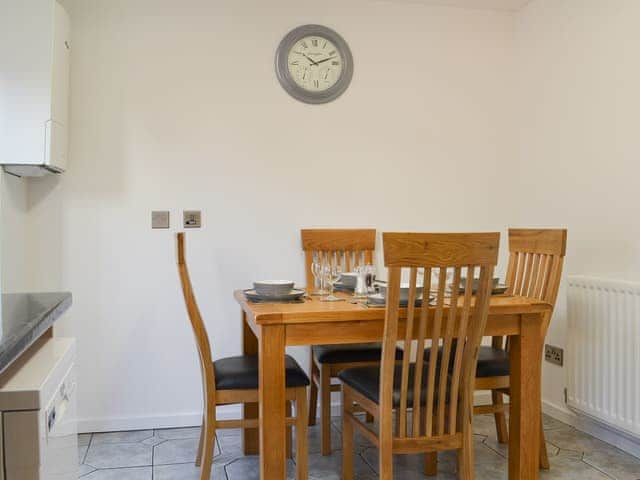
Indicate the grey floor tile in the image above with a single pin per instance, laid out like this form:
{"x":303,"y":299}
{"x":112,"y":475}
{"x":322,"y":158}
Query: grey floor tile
{"x":153,"y":441}
{"x":565,"y":467}
{"x":492,"y":471}
{"x":248,"y":468}
{"x":330,"y":467}
{"x":615,"y":463}
{"x":575,"y":440}
{"x":84,"y":470}
{"x":503,"y":448}
{"x":84,"y":439}
{"x":119,"y":455}
{"x":121,"y":437}
{"x":186,"y":471}
{"x":484,"y":425}
{"x":140,"y":473}
{"x":177,"y":433}
{"x":314,"y":439}
{"x":550,"y":423}
{"x":182,"y":450}
{"x":82,"y":453}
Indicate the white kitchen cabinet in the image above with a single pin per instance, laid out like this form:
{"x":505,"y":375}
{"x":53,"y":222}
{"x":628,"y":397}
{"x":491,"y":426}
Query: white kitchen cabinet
{"x":34,"y":86}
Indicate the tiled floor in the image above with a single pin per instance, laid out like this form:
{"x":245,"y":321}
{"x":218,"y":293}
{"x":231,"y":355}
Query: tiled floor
{"x":169,"y":455}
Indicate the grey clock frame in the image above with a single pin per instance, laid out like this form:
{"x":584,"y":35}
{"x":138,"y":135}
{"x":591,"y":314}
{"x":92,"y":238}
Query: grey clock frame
{"x":287,"y":81}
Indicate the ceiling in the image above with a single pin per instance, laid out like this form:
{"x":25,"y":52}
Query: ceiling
{"x":509,"y":5}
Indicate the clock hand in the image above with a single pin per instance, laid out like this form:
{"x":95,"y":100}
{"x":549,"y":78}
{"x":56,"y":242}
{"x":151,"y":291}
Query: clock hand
{"x":309,"y":58}
{"x":325,"y":60}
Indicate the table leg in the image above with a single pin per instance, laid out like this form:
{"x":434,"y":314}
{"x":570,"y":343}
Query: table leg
{"x":524,"y":418}
{"x":250,"y":438}
{"x":272,"y":403}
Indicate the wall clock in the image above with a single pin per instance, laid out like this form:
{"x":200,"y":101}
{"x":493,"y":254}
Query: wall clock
{"x":314,"y":64}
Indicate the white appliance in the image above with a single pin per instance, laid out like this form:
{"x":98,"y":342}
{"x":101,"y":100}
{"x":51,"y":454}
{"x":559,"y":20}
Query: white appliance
{"x":34,"y":87}
{"x":38,"y":411}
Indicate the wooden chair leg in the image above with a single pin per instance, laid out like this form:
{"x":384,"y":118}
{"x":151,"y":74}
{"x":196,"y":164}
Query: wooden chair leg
{"x":302,"y":454}
{"x":385,"y":460}
{"x":325,"y":405}
{"x":288,"y":413}
{"x":465,"y":454}
{"x":208,"y":445}
{"x":347,"y":436}
{"x":544,"y":456}
{"x":431,"y":464}
{"x":200,"y":445}
{"x":313,"y":392}
{"x":465,"y":458}
{"x":500,"y":418}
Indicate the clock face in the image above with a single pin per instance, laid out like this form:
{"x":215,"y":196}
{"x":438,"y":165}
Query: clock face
{"x":314,"y":63}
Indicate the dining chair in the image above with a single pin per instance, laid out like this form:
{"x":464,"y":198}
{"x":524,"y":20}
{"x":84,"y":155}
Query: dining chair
{"x":433,"y":406}
{"x":536,"y":258}
{"x":357,"y":247}
{"x":235,"y":380}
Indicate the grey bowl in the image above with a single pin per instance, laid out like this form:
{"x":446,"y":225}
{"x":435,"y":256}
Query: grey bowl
{"x":404,"y":291}
{"x":349,"y":279}
{"x":273,"y":288}
{"x":476,"y":282}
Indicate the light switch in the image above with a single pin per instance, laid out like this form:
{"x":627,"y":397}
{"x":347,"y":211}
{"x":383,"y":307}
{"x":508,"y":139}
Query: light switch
{"x":160,"y":219}
{"x":192,"y":219}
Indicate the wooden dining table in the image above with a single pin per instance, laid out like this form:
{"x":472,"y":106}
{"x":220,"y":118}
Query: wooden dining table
{"x":268,"y":328}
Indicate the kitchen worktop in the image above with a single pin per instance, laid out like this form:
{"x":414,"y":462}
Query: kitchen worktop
{"x":25,"y":318}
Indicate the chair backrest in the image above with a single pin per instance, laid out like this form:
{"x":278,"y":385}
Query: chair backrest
{"x":452,"y":315}
{"x":536,"y":257}
{"x":197,"y":325}
{"x":356,"y":246}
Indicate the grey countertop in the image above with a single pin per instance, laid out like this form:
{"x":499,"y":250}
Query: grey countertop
{"x":25,"y":317}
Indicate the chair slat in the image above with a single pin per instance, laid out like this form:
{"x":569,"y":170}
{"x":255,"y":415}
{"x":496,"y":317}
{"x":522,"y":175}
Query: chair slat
{"x":542,"y":275}
{"x":511,"y":273}
{"x":422,"y":329}
{"x":526,"y":280}
{"x":433,"y":363}
{"x":406,"y":357}
{"x":457,"y":363}
{"x":534,"y":275}
{"x":522,"y":258}
{"x":447,"y":343}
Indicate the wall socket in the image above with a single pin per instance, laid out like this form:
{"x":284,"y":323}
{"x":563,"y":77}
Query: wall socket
{"x":554,"y":355}
{"x":159,"y":219}
{"x":192,"y":219}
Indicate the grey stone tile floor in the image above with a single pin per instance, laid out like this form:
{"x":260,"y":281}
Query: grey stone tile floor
{"x":168,"y":454}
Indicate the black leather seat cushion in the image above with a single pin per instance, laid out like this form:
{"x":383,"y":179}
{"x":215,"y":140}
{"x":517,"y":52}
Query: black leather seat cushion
{"x":239,"y":373}
{"x":492,"y":362}
{"x":366,"y":380}
{"x":350,"y":353}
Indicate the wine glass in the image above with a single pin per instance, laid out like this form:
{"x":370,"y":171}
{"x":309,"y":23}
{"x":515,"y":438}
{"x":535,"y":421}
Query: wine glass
{"x":333,"y":272}
{"x":317,"y":272}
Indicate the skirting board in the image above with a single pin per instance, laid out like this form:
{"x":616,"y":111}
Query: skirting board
{"x":181,"y":420}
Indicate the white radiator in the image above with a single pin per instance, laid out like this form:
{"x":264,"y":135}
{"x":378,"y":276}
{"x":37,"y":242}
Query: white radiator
{"x":604,"y":351}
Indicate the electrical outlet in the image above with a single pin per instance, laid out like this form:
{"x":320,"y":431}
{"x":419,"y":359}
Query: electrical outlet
{"x":554,"y":355}
{"x":192,"y":219}
{"x":159,"y":219}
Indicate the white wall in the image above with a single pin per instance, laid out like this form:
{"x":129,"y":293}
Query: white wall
{"x":578,"y":104}
{"x":175,"y":105}
{"x":14,"y":234}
